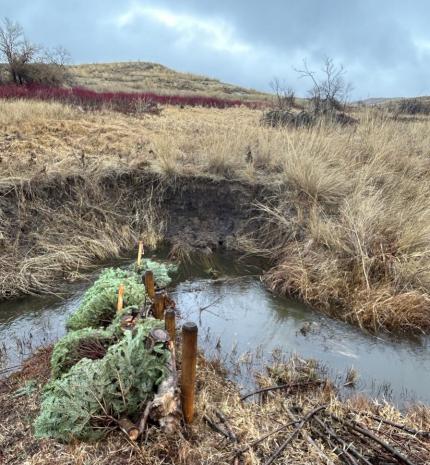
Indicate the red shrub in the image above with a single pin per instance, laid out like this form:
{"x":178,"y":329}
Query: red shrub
{"x":119,"y":101}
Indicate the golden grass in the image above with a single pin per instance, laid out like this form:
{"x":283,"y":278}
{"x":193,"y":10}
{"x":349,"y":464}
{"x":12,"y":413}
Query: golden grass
{"x":345,"y":215}
{"x":152,"y":77}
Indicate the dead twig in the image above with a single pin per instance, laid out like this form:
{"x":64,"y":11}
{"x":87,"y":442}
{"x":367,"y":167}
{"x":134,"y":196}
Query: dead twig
{"x":405,"y":428}
{"x":223,"y":420}
{"x":281,"y":386}
{"x":349,"y":448}
{"x":282,"y":447}
{"x":216,"y":427}
{"x":365,"y":432}
{"x":262,"y":438}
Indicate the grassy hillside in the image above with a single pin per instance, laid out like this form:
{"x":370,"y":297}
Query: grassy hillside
{"x":144,"y":77}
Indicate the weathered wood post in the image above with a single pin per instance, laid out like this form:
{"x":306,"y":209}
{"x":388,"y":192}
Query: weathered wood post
{"x":120,"y":303}
{"x":149,"y":284}
{"x":169,"y":318}
{"x":158,"y":305}
{"x":140,"y":253}
{"x":188,"y":375}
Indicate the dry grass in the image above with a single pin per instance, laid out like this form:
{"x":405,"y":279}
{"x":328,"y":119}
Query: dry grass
{"x":249,"y":421}
{"x":345,"y":218}
{"x":153,"y":77}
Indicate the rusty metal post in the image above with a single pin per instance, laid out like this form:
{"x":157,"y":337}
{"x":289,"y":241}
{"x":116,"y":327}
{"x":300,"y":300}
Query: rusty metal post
{"x":188,"y":375}
{"x":140,"y":253}
{"x":149,"y":284}
{"x":169,"y":318}
{"x":120,"y":303}
{"x":158,"y":306}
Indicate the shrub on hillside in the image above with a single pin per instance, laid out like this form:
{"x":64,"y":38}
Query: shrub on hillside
{"x":413,"y":106}
{"x":125,"y":102}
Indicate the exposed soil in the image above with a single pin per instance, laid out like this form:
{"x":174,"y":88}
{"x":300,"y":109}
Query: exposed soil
{"x":206,"y":214}
{"x":54,"y":229}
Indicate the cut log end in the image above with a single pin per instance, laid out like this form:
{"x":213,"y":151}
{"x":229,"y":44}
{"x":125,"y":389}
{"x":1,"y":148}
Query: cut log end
{"x":129,"y":428}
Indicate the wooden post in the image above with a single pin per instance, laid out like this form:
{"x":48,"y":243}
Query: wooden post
{"x":140,"y":253}
{"x":149,"y":284}
{"x":120,"y":303}
{"x":188,"y":375}
{"x":169,"y":318}
{"x":158,"y":306}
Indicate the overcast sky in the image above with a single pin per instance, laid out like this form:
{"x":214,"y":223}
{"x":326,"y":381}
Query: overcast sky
{"x":383,"y":44}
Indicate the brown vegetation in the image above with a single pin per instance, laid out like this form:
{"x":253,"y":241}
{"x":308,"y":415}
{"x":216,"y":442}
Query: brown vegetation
{"x":226,"y":427}
{"x":344,"y":215}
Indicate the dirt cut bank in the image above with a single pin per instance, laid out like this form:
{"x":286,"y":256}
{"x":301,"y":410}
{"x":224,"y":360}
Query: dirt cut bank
{"x":56,"y":228}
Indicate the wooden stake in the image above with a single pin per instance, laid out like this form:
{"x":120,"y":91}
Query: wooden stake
{"x":169,"y":318}
{"x":140,"y":253}
{"x":120,"y":304}
{"x":158,"y":306}
{"x":188,"y":375}
{"x":149,"y":284}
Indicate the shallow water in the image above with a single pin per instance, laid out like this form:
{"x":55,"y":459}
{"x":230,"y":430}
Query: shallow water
{"x":241,"y":321}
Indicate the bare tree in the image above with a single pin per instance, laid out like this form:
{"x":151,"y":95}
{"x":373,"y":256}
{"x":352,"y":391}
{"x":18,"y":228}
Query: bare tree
{"x":285,"y":97}
{"x":331,"y":91}
{"x":28,"y":62}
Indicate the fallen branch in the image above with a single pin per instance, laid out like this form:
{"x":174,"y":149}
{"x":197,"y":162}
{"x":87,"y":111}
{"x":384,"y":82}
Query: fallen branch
{"x":216,"y":427}
{"x":262,"y":438}
{"x":281,"y":448}
{"x":144,"y":419}
{"x":346,"y":447}
{"x":223,"y":420}
{"x":365,"y":432}
{"x":412,"y":431}
{"x":307,"y":437}
{"x":281,"y":386}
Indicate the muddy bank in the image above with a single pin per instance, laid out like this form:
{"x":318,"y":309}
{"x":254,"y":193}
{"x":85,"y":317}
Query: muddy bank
{"x":53,"y":229}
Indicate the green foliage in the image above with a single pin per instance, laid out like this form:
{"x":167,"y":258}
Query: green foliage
{"x":100,"y":371}
{"x":87,"y":342}
{"x":98,"y":307}
{"x":75,"y":405}
{"x":29,"y":388}
{"x":162,"y":271}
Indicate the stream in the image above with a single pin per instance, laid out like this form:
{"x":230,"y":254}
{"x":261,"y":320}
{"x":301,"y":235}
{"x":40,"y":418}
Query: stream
{"x":245,"y":326}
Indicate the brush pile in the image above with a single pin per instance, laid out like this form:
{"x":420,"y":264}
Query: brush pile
{"x":105,"y":370}
{"x":297,"y":416}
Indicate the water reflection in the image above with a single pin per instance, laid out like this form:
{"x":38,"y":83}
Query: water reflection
{"x":240,"y":320}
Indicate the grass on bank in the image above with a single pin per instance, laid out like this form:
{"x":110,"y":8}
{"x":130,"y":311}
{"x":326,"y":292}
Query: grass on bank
{"x":345,"y":219}
{"x":250,"y":421}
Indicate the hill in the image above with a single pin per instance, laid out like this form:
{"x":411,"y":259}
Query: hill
{"x":153,"y":77}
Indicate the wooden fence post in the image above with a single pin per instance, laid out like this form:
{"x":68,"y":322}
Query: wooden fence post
{"x":140,"y":253}
{"x":170,"y":318}
{"x":149,"y":284}
{"x":158,"y":306}
{"x":188,"y":375}
{"x":120,"y":303}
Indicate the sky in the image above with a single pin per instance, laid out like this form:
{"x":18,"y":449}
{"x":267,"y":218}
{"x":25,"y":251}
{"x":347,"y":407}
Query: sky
{"x":384,"y":45}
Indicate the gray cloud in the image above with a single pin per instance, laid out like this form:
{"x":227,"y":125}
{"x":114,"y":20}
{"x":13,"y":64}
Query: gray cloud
{"x":384,"y":45}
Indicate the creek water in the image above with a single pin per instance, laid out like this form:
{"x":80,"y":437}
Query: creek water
{"x":245,"y":325}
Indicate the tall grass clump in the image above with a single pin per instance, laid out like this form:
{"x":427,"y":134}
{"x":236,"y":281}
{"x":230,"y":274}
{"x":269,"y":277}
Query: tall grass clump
{"x":349,"y":230}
